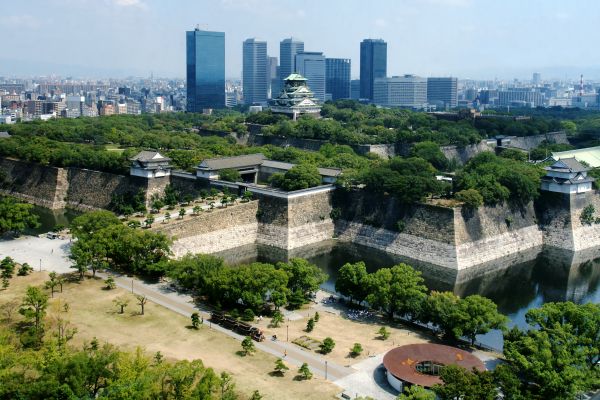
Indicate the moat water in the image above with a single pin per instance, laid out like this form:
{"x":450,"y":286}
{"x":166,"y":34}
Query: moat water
{"x":517,"y":284}
{"x":48,"y":219}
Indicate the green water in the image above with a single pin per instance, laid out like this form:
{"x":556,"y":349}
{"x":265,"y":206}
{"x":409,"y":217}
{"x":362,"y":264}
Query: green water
{"x":48,"y":219}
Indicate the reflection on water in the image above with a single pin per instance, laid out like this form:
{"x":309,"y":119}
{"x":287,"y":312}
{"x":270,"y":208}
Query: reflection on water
{"x":48,"y":219}
{"x":516,"y":283}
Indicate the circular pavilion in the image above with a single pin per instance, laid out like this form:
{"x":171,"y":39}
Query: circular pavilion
{"x":420,"y":364}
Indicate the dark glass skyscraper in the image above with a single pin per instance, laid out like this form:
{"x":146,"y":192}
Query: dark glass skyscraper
{"x":337,"y":78}
{"x":288,"y":48}
{"x":442,"y":92}
{"x":373,"y":65}
{"x":205,"y":70}
{"x":255,"y":71}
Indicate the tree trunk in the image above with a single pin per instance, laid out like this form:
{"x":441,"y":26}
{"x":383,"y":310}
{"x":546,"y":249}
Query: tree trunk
{"x":122,"y":307}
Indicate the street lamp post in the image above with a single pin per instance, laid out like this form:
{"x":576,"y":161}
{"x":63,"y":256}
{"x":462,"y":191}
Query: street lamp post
{"x":325,"y":369}
{"x":287,"y":327}
{"x":40,"y":265}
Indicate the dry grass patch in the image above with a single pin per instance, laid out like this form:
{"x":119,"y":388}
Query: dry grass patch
{"x":93,"y":313}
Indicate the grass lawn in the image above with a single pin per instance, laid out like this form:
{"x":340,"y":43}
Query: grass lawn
{"x":92,"y":312}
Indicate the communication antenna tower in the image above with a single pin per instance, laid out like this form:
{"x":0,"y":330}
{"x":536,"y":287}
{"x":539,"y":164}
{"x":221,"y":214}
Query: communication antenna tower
{"x":581,"y":85}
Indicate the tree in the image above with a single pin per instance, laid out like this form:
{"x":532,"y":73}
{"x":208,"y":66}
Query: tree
{"x":430,"y":152}
{"x":351,"y":281}
{"x":52,"y":283}
{"x":305,"y":372}
{"x":121,"y":302}
{"x":15,"y":216}
{"x":443,"y":310}
{"x":256,"y":395}
{"x":195,"y":320}
{"x":471,"y":198}
{"x":142,"y":300}
{"x":280,"y":367}
{"x":416,"y":392}
{"x":5,"y":283}
{"x":277,"y":319}
{"x":398,"y":289}
{"x":33,"y":308}
{"x":303,"y":276}
{"x":91,"y":222}
{"x":310,"y":325}
{"x":181,"y":213}
{"x":24,"y":270}
{"x":110,"y":283}
{"x":248,"y":345}
{"x":247,"y":196}
{"x":134,"y":224}
{"x":230,"y":175}
{"x":298,"y":177}
{"x":149,"y":220}
{"x":197,"y":210}
{"x":248,"y":315}
{"x":481,"y":316}
{"x":559,"y":353}
{"x":167,"y":216}
{"x":383,"y":333}
{"x":356,"y":350}
{"x":327,"y":346}
{"x":317,"y":316}
{"x":462,"y":384}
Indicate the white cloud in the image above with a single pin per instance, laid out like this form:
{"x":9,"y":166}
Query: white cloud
{"x":129,"y":3}
{"x":20,"y":21}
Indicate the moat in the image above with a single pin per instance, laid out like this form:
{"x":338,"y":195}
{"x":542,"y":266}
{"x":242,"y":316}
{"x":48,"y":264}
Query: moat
{"x":516,"y":284}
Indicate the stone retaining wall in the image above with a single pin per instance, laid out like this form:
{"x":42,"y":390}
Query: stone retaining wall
{"x":34,"y":183}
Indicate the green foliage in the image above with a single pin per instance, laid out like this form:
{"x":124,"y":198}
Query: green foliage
{"x":587,"y":215}
{"x":230,"y":175}
{"x":430,"y":152}
{"x":471,"y":198}
{"x":89,"y":223}
{"x":24,"y":270}
{"x":310,"y":325}
{"x":416,"y":392}
{"x":396,"y":290}
{"x":128,"y":203}
{"x":33,"y":308}
{"x":248,"y":315}
{"x":300,"y":176}
{"x":302,"y":276}
{"x":327,"y":346}
{"x":248,"y":345}
{"x":317,"y":316}
{"x":560,"y":352}
{"x":110,"y":283}
{"x":15,"y":216}
{"x":7,"y":268}
{"x":514,"y":154}
{"x":351,"y":281}
{"x":500,"y":179}
{"x":356,"y":350}
{"x":280,"y":367}
{"x":383,"y":333}
{"x":195,"y":318}
{"x":103,"y":372}
{"x":305,"y":372}
{"x":277,"y":319}
{"x":462,"y":384}
{"x":456,"y":317}
{"x":546,"y":149}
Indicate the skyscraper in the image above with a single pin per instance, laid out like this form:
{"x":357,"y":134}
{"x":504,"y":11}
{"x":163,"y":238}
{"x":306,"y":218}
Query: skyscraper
{"x":311,"y":65}
{"x":401,"y":91}
{"x":205,"y":52}
{"x":288,"y":48}
{"x":373,"y":65}
{"x":274,"y":87}
{"x":337,"y":76}
{"x":442,"y":92}
{"x":255,"y":74}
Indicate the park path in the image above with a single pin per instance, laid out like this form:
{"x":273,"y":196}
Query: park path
{"x":162,"y":294}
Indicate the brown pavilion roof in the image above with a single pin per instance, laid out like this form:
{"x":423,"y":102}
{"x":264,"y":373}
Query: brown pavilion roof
{"x":401,"y":361}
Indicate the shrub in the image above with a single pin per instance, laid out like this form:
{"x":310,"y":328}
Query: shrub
{"x":230,"y":175}
{"x":471,"y":198}
{"x":327,"y":345}
{"x":356,"y":350}
{"x":587,"y":215}
{"x":248,"y":315}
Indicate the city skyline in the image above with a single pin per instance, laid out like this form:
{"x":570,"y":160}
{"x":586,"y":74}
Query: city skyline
{"x":479,"y":40}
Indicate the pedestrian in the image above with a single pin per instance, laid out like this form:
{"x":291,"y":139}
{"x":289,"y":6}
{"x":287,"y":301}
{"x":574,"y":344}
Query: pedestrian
{"x":284,"y":353}
{"x":52,"y":251}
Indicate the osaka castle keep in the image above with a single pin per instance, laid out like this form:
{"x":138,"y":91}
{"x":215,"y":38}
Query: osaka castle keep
{"x":296,"y":98}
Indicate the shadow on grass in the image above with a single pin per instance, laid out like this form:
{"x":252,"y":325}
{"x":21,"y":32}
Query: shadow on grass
{"x":277,"y":374}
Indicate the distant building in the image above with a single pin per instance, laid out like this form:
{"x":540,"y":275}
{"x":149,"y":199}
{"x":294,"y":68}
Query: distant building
{"x":537,"y":79}
{"x":488,"y":96}
{"x":255,"y":74}
{"x":311,"y":65}
{"x":205,"y":52}
{"x":373,"y":65}
{"x":274,"y":86}
{"x":442,"y":92}
{"x":355,"y":89}
{"x":288,"y":48}
{"x":296,"y":98}
{"x":567,"y":175}
{"x":401,"y":91}
{"x":523,"y":97}
{"x":337,"y":77}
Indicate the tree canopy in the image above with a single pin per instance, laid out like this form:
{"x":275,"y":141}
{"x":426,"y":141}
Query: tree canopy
{"x":15,"y":216}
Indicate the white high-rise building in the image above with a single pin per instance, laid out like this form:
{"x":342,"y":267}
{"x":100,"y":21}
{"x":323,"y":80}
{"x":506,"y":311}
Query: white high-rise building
{"x":255,"y":72}
{"x":312,"y":66}
{"x":401,"y":91}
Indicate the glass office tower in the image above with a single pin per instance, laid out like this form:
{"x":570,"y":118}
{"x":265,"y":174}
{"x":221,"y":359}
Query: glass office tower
{"x":255,"y":72}
{"x":311,"y":65}
{"x":205,"y":52}
{"x":337,"y":78}
{"x":373,"y":65}
{"x":288,"y":48}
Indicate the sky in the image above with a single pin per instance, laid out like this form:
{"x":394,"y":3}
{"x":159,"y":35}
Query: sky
{"x":479,"y":39}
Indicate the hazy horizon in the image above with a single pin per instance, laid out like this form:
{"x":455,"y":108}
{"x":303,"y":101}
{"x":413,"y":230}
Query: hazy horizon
{"x":465,"y":38}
